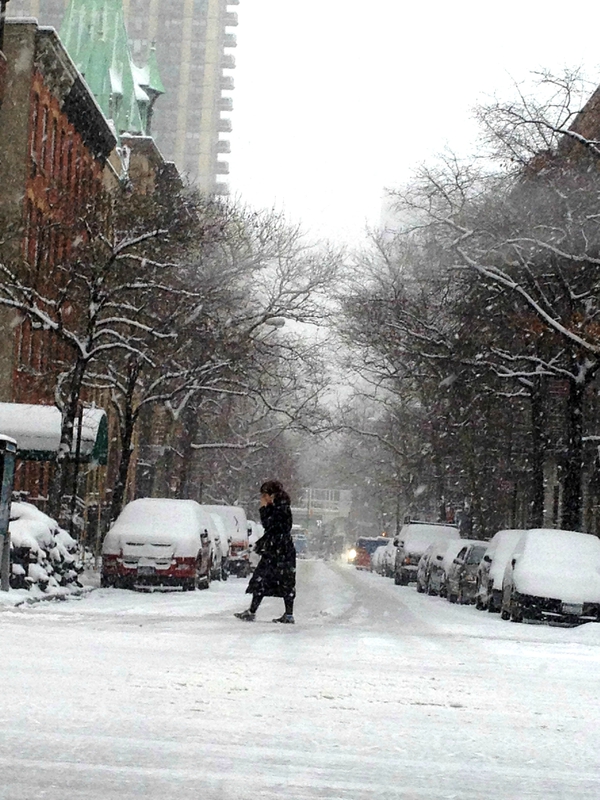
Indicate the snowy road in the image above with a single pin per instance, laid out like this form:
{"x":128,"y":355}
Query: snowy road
{"x":377,"y":692}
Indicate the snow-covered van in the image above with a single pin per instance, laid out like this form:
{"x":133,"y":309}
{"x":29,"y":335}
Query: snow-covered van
{"x":158,"y":542}
{"x":412,"y":541}
{"x":236,"y":525}
{"x":553,"y":575}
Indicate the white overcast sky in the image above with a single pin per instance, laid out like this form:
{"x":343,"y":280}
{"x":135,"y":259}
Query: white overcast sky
{"x":336,"y":100}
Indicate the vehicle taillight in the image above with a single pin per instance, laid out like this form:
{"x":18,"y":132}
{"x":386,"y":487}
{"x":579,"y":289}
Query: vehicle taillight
{"x":407,"y":560}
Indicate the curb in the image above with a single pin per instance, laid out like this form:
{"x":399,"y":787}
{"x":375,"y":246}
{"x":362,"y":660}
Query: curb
{"x":30,"y":601}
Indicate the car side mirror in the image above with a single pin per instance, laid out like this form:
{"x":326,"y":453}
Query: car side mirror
{"x":440,"y":558}
{"x":487,"y":559}
{"x":513,"y":562}
{"x":455,"y":561}
{"x":396,"y":541}
{"x":204,"y":536}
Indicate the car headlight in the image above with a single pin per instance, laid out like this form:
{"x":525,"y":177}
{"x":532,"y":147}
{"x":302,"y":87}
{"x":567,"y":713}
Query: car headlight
{"x":351,"y":555}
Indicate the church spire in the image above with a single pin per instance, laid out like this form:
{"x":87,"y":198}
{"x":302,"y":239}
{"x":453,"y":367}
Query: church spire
{"x":95,"y":36}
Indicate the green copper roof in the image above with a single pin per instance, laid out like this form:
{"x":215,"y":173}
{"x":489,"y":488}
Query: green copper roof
{"x":94,"y":33}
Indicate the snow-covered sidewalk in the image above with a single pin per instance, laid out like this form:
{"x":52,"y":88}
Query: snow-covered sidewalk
{"x":377,"y":692}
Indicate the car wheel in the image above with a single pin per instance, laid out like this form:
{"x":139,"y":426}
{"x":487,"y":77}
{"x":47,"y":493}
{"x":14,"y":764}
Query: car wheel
{"x":420,"y":588}
{"x":404,"y":579}
{"x":397,"y":580}
{"x":451,"y":597}
{"x":106,"y":581}
{"x":516,"y":613}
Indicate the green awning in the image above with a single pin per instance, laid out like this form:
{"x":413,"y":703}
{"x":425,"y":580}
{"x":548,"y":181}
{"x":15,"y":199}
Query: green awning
{"x":36,"y":429}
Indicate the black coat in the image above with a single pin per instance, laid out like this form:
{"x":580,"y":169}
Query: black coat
{"x":275,"y":575}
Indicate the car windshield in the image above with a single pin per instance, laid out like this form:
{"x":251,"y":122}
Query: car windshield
{"x":476,"y":554}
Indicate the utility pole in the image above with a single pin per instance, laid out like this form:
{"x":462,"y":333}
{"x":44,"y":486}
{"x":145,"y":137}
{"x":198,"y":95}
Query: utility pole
{"x":8,"y":451}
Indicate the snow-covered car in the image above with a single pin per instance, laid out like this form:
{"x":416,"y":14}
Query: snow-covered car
{"x":157,"y":541}
{"x":389,"y":559}
{"x":423,"y":568}
{"x":225,"y":540}
{"x":461,"y":574}
{"x":377,"y":556}
{"x":215,"y":545}
{"x":553,"y":575}
{"x":412,"y":541}
{"x":236,"y":525}
{"x":490,"y":573}
{"x":439,"y":563}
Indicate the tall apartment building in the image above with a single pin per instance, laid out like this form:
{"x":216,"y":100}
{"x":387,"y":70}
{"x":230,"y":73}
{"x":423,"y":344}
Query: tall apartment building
{"x":193,"y":43}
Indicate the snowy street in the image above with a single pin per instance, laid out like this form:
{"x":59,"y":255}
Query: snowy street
{"x":377,"y":692}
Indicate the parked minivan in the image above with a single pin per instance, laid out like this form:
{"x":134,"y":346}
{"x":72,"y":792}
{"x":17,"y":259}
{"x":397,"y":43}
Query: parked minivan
{"x":553,"y":575}
{"x":412,"y":541}
{"x":158,"y":542}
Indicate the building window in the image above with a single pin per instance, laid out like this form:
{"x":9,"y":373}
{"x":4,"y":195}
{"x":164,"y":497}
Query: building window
{"x":44,"y":139}
{"x":34,"y":124}
{"x":53,"y":148}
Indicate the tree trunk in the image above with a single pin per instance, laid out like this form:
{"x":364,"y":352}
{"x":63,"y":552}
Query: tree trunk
{"x":189,"y":435}
{"x":126,"y":430}
{"x":538,"y":433}
{"x":573,"y":465}
{"x":125,"y":454}
{"x":60,"y":480}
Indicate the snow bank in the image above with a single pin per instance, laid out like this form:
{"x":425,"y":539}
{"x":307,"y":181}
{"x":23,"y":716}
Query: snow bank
{"x":44,"y":557}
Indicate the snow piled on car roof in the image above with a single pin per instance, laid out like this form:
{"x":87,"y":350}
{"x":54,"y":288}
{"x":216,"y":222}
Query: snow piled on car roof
{"x":558,"y":564}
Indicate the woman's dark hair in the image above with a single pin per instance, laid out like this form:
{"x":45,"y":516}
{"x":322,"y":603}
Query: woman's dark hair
{"x":276,"y":489}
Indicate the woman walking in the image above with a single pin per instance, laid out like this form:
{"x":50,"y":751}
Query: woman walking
{"x":275,"y":575}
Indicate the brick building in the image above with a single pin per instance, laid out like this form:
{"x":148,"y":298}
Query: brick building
{"x":55,"y":159}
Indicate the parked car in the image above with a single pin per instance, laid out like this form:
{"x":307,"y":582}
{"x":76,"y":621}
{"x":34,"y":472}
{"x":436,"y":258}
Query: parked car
{"x":440,"y":562}
{"x":215,"y":544}
{"x":236,"y":525}
{"x":412,"y":541}
{"x":225,"y":540}
{"x":364,"y":548}
{"x":377,"y":559}
{"x":158,"y":542}
{"x":553,"y":575}
{"x":423,"y":568}
{"x":490,"y":573}
{"x":388,"y":559}
{"x":461,"y":575}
